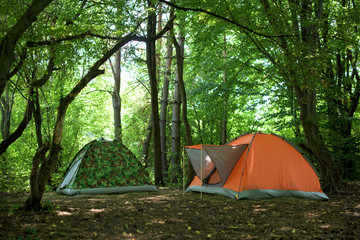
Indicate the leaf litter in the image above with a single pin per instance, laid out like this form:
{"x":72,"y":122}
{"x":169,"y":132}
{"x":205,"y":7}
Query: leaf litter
{"x":168,"y":214}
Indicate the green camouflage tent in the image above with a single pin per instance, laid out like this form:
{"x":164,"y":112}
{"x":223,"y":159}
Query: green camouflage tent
{"x":104,"y":166}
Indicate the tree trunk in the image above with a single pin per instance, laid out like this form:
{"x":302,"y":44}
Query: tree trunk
{"x":164,"y":105}
{"x":116,"y":100}
{"x":6,"y":109}
{"x":341,"y":107}
{"x":147,"y":141}
{"x":330,"y":173}
{"x":179,"y":46}
{"x":226,"y":94}
{"x":151,"y":65}
{"x":175,"y":133}
{"x":37,"y":118}
{"x":34,"y":201}
{"x":22,"y":126}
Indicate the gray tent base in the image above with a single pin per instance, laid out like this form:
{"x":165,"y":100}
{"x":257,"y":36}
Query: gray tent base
{"x":258,"y":193}
{"x":107,"y":190}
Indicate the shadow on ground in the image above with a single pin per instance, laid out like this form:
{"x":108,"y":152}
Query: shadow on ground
{"x":168,"y":214}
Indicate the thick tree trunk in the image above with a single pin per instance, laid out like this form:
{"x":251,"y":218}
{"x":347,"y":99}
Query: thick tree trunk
{"x":116,"y":100}
{"x":330,"y":173}
{"x":164,"y":105}
{"x":151,"y":65}
{"x":34,"y":201}
{"x":9,"y":41}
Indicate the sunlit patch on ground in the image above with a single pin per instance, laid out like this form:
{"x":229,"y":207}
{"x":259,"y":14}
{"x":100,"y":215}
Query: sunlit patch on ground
{"x":258,"y":209}
{"x":312,"y":215}
{"x":325,"y":226}
{"x":97,"y":210}
{"x":63,"y":213}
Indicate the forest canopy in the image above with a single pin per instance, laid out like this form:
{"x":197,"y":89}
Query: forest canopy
{"x":160,"y":75}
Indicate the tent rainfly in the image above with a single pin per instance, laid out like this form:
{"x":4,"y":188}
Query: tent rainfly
{"x":104,"y":166}
{"x":254,"y":166}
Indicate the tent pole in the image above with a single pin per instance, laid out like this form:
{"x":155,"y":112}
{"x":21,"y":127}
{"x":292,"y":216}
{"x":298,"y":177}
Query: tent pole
{"x":183,"y":163}
{"x":201,"y":162}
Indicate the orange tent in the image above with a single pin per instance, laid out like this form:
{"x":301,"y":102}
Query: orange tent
{"x":254,"y":166}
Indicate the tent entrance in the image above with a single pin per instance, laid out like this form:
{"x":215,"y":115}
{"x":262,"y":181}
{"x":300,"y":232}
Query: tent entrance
{"x":217,"y":162}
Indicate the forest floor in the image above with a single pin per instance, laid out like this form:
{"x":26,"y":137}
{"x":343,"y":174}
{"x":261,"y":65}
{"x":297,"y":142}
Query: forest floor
{"x":168,"y":214}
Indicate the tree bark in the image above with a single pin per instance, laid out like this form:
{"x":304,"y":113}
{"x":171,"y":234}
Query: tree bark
{"x":151,"y":65}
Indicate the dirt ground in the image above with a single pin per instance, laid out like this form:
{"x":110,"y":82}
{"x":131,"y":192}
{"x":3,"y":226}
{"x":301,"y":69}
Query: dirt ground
{"x":168,"y":214}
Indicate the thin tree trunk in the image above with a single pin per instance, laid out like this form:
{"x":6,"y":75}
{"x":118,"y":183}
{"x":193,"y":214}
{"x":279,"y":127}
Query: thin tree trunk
{"x":147,"y":141}
{"x":38,"y":120}
{"x":179,"y":46}
{"x":116,"y":100}
{"x":22,"y":126}
{"x":175,"y":133}
{"x":6,"y":110}
{"x":226,"y":94}
{"x":6,"y":103}
{"x":164,"y":105}
{"x":151,"y":65}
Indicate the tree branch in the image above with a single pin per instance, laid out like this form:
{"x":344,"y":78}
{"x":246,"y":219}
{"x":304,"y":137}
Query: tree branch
{"x":135,"y":37}
{"x":247,"y":29}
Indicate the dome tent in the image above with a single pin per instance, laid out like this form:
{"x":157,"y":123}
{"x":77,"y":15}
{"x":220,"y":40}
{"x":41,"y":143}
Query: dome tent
{"x":104,"y":166}
{"x":254,"y":166}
